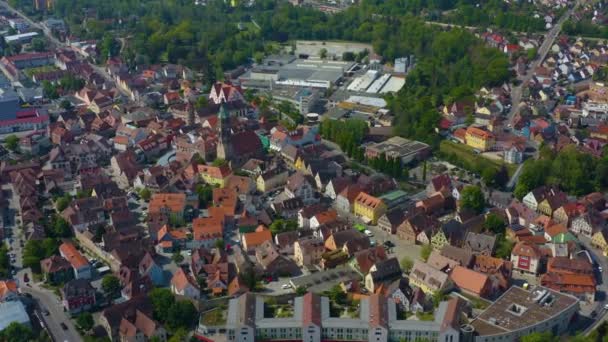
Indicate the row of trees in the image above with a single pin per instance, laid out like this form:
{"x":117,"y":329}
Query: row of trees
{"x":5,"y":263}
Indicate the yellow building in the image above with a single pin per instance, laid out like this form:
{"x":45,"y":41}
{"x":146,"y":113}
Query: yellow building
{"x":215,"y":175}
{"x":300,"y":164}
{"x":271,"y":180}
{"x":368,"y":207}
{"x":479,"y":139}
{"x":600,"y":240}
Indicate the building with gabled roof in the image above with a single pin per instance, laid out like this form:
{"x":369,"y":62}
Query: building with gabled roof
{"x":80,"y":265}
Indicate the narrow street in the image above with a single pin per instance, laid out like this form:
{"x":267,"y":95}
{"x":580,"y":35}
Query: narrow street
{"x":551,"y":35}
{"x":602,"y":288}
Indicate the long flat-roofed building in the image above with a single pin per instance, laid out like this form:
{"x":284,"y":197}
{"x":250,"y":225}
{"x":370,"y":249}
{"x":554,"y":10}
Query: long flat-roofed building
{"x":398,"y":147}
{"x":519,"y":312}
{"x":311,"y":321}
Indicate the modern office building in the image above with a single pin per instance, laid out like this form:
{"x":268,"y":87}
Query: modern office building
{"x":519,"y":312}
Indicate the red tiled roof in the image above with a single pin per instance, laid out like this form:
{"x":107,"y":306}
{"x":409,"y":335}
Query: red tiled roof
{"x":71,"y":254}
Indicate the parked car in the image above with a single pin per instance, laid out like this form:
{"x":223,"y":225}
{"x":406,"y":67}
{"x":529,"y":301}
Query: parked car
{"x":368,"y":233}
{"x":63,"y":326}
{"x":286,"y":286}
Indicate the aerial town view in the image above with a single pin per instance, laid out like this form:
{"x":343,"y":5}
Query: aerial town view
{"x":303,"y":170}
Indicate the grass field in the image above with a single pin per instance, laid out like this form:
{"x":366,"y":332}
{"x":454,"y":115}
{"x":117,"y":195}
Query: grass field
{"x":465,"y":157}
{"x":33,"y":71}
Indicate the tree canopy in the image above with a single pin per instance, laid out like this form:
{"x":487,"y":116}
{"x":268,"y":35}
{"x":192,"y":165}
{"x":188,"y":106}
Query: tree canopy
{"x":472,"y":198}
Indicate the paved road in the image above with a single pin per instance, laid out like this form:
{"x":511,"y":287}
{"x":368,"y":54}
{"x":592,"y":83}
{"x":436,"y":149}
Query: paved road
{"x":516,"y":91}
{"x":602,"y":288}
{"x":44,"y":298}
{"x":47,"y":300}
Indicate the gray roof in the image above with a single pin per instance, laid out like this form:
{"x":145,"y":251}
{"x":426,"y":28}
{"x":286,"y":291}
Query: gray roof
{"x":12,"y":311}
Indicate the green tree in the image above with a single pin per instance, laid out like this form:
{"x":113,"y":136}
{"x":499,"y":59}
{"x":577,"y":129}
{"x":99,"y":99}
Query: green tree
{"x":488,"y":175}
{"x":181,"y":335}
{"x":201,"y":102}
{"x":38,"y":44}
{"x":181,"y":314}
{"x":504,"y":247}
{"x":539,"y":337}
{"x":348,"y":56}
{"x":494,"y":224}
{"x":425,"y":252}
{"x":49,"y":90}
{"x":36,"y":250}
{"x":4,"y":261}
{"x":205,"y":194}
{"x":177,"y":257}
{"x":219,"y":162}
{"x":110,"y":286}
{"x":531,"y":54}
{"x":162,"y":300}
{"x":301,"y":291}
{"x":145,"y":194}
{"x":63,"y":202}
{"x":472,"y":198}
{"x":323,"y":53}
{"x":11,"y":142}
{"x":66,"y":104}
{"x":85,"y":321}
{"x":281,"y":226}
{"x":16,"y":332}
{"x":220,"y":244}
{"x":438,"y":297}
{"x":406,"y":264}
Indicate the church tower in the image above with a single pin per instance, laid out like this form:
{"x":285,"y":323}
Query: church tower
{"x":224,"y":146}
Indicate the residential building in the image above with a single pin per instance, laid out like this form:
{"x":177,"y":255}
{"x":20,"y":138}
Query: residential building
{"x":377,"y":321}
{"x":391,"y":220}
{"x":600,"y":240}
{"x":80,"y":265}
{"x":8,"y":290}
{"x":272,"y":179}
{"x":254,"y":239}
{"x":132,"y":321}
{"x":302,"y":186}
{"x":526,"y":258}
{"x":56,"y":270}
{"x":480,"y":243}
{"x":369,"y":208}
{"x":414,"y":226}
{"x":206,"y":231}
{"x":183,"y":284}
{"x":382,"y":272}
{"x":215,"y":175}
{"x":167,"y":204}
{"x":471,"y":282}
{"x":427,"y":278}
{"x":78,"y":295}
{"x":308,"y":251}
{"x":479,"y":139}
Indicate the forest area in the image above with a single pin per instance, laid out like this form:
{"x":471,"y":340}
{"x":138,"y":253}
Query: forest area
{"x":453,"y":64}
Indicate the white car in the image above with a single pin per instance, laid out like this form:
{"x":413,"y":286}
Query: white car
{"x":368,"y":233}
{"x":606,"y":307}
{"x":286,"y":286}
{"x":599,"y":268}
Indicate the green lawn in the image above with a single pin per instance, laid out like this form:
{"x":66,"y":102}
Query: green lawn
{"x":214,"y":317}
{"x":33,"y":71}
{"x":463,"y":156}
